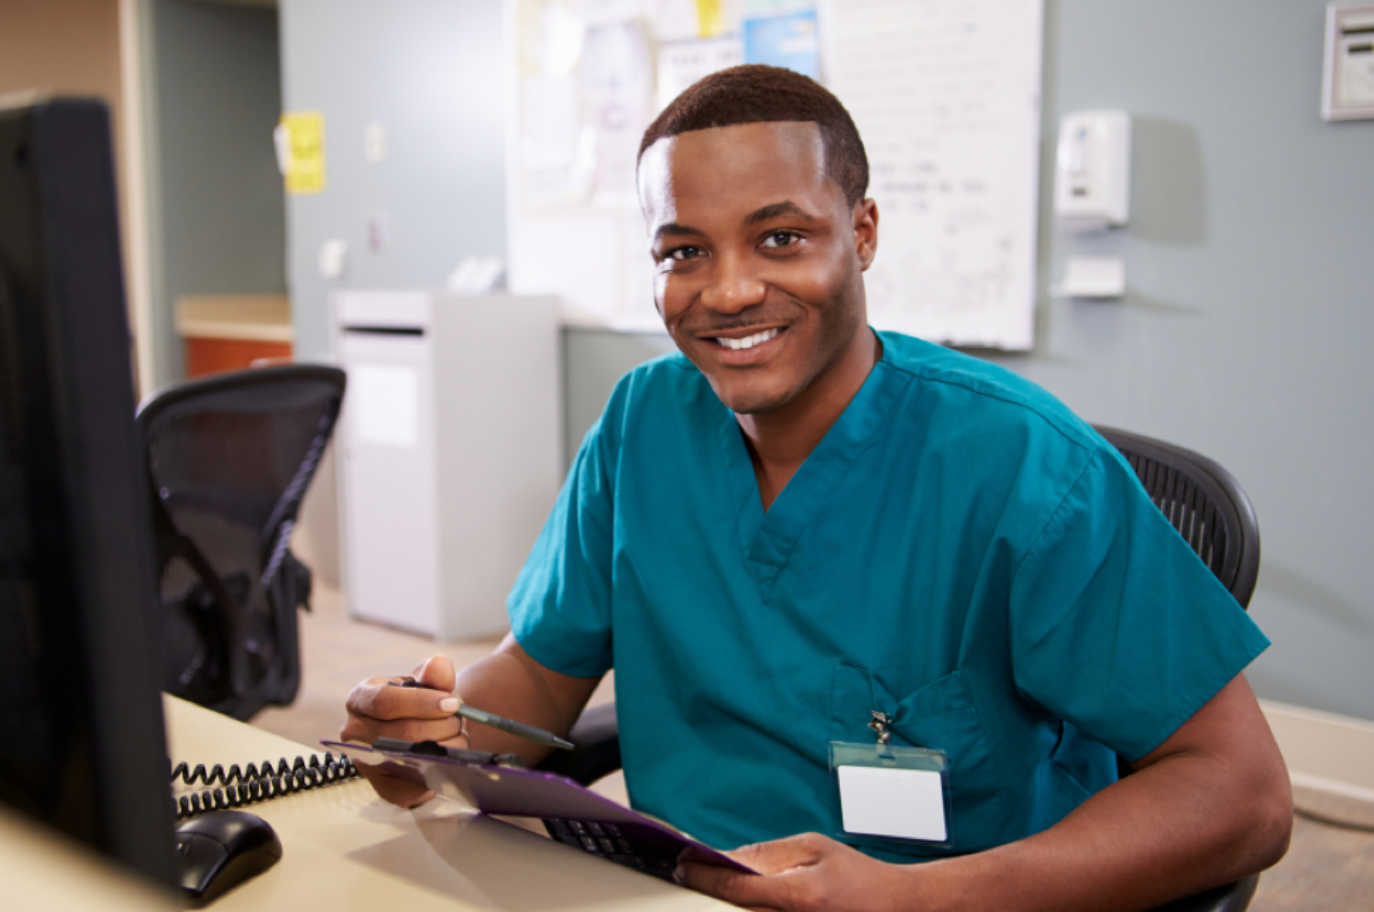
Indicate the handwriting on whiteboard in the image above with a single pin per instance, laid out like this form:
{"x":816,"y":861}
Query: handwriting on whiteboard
{"x":946,"y":96}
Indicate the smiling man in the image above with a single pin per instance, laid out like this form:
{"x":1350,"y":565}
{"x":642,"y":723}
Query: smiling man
{"x":797,"y":523}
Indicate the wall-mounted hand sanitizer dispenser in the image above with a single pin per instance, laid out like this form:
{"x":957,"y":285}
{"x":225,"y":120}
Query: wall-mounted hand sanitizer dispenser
{"x":1092,"y":186}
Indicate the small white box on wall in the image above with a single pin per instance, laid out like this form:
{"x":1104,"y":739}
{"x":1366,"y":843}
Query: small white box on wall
{"x":1092,"y":186}
{"x":1348,"y":74}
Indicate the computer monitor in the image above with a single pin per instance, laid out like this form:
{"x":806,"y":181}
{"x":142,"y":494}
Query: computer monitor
{"x":82,"y":745}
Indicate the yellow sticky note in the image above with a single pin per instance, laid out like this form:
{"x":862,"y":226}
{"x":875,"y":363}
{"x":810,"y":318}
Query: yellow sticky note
{"x":711,"y":18}
{"x":305,"y":140}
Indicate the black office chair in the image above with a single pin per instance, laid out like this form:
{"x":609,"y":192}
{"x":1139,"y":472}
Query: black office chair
{"x":1202,"y":500}
{"x":230,"y":458}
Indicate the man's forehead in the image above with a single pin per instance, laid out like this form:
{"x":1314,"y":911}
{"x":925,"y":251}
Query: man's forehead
{"x":722,"y":162}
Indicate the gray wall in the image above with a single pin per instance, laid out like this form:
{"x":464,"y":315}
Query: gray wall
{"x":430,"y":70}
{"x":217,"y":212}
{"x":1250,"y":263}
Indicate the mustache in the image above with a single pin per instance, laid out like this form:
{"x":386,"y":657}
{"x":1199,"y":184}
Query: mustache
{"x":771,"y":316}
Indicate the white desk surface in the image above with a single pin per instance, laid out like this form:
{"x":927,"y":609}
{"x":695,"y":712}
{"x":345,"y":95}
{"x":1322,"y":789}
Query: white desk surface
{"x":42,"y":869}
{"x":344,"y":848}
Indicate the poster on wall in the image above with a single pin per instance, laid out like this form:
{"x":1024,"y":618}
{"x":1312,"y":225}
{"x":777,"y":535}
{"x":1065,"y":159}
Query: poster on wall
{"x":945,"y":94}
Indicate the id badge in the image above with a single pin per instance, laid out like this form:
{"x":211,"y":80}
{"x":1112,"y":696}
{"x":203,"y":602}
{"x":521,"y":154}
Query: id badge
{"x":892,"y":791}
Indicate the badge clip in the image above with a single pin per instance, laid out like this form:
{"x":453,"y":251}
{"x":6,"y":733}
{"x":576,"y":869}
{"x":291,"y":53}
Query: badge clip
{"x":892,"y":792}
{"x":879,"y":725}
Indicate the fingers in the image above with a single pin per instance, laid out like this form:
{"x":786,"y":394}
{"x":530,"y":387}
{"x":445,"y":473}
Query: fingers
{"x":365,"y":730}
{"x":379,"y":709}
{"x":781,"y":854}
{"x":393,"y":789}
{"x":792,"y":874}
{"x":437,"y":673}
{"x":380,"y":699}
{"x":748,"y":890}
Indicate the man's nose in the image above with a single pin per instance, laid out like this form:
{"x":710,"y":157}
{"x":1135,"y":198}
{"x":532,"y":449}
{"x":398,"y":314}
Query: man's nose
{"x":734,"y":286}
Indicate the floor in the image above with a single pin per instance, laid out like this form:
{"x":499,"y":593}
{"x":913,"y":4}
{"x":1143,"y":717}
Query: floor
{"x":1328,"y":868}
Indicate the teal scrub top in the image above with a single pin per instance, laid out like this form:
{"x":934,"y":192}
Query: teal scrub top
{"x":960,"y":551}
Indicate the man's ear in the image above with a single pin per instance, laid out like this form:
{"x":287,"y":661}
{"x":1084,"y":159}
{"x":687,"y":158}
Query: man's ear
{"x":866,"y":232}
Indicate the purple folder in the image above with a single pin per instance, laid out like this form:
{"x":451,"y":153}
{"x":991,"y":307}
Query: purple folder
{"x":572,"y":813}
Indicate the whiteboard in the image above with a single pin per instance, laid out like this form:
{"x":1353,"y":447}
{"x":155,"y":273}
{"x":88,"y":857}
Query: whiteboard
{"x":946,"y":95}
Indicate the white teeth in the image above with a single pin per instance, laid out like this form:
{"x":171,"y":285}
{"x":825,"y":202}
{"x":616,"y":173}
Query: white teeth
{"x":748,"y":341}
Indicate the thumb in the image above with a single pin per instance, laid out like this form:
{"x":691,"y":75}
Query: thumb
{"x":437,"y":673}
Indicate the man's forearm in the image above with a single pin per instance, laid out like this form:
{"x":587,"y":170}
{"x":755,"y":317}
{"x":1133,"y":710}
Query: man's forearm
{"x":1174,"y":829}
{"x":1209,"y":806}
{"x":509,"y":683}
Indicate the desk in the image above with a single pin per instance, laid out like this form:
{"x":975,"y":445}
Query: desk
{"x":44,"y":869}
{"x":344,"y":848}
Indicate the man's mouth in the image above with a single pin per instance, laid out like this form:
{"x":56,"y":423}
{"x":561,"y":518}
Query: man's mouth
{"x":757,"y":338}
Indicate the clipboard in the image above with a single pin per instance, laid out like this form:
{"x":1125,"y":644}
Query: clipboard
{"x":572,"y":814}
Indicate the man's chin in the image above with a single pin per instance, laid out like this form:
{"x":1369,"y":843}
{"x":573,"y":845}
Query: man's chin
{"x":752,"y":400}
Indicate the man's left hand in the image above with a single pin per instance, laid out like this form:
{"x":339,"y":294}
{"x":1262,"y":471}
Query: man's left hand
{"x":803,"y":872}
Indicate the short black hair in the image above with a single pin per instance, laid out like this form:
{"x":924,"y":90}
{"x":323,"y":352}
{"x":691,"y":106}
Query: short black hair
{"x":755,"y":93}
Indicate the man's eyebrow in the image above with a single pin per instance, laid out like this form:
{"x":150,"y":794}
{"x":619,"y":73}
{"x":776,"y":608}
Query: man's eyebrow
{"x":774,"y":210}
{"x":675,"y":230}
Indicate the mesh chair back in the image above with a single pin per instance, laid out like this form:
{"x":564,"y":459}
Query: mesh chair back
{"x":230,"y":459}
{"x":1203,"y":501}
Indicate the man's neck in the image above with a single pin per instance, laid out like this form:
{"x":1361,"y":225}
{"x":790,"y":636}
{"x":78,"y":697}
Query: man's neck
{"x":780,"y":441}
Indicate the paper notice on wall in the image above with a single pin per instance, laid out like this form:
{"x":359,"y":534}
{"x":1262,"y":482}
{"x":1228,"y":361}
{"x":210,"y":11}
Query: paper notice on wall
{"x":557,"y":151}
{"x":791,"y":41}
{"x":603,"y":12}
{"x":617,"y":84}
{"x":300,"y":151}
{"x":754,"y":9}
{"x":712,"y":18}
{"x":673,"y":20}
{"x":384,"y":404}
{"x":684,"y":62}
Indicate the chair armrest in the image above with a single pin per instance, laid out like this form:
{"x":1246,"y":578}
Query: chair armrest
{"x":597,"y":754}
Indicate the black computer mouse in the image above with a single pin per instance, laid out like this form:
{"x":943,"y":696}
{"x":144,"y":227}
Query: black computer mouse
{"x":219,"y":850}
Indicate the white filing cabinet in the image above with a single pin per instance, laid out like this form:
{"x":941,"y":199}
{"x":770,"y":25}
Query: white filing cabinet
{"x":449,"y":462}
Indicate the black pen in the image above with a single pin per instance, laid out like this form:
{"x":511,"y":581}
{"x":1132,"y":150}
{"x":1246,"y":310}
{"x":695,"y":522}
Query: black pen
{"x":519,"y":729}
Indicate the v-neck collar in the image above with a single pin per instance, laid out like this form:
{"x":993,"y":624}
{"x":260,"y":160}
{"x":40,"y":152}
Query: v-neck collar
{"x":768,"y":538}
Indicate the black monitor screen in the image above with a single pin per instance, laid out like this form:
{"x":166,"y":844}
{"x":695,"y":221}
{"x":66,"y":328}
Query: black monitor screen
{"x":81,"y":738}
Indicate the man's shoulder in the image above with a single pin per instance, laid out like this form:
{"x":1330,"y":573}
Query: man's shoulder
{"x":980,"y":391}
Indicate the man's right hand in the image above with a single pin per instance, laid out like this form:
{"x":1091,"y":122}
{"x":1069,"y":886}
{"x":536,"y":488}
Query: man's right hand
{"x":509,"y":683}
{"x":379,"y":709}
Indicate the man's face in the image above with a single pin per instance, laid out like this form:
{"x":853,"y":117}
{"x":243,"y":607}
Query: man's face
{"x":758,"y":258}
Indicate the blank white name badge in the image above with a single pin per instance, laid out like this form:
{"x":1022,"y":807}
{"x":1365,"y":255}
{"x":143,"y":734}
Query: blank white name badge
{"x":892,"y":791}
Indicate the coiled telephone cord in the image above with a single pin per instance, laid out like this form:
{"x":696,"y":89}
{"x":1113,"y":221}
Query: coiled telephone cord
{"x":237,"y":787}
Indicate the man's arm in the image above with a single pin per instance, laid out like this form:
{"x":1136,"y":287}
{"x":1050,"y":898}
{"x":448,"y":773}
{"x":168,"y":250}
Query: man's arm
{"x":509,"y":683}
{"x":1208,"y":806}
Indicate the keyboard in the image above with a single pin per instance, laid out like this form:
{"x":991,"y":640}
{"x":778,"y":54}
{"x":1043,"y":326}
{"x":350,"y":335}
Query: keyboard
{"x":642,"y":849}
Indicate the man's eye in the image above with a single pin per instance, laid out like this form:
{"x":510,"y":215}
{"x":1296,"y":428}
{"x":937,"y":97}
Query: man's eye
{"x":779,"y":239}
{"x":684,"y":253}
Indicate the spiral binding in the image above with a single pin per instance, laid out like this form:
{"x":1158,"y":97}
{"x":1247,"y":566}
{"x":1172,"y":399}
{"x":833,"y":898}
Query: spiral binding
{"x":256,"y":782}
